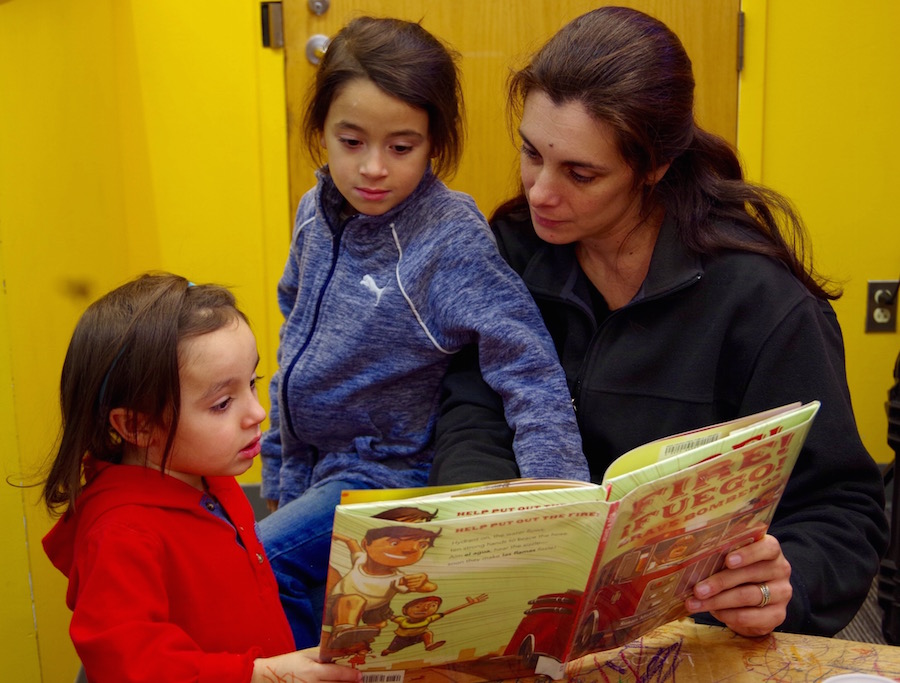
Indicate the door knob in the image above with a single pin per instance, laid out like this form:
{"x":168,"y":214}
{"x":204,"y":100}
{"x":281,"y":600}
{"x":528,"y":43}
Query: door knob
{"x":315,"y":48}
{"x":318,"y":7}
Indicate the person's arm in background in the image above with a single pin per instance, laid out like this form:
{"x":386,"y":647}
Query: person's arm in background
{"x":473,"y":442}
{"x":512,"y":350}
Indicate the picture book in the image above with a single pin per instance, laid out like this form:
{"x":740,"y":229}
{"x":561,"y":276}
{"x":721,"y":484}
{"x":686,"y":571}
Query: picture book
{"x":516,"y":578}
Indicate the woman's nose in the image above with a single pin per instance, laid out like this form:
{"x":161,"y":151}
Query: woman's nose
{"x":542,"y":190}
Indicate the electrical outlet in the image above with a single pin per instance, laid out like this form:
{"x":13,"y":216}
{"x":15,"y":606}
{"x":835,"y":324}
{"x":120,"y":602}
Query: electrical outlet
{"x":881,"y":306}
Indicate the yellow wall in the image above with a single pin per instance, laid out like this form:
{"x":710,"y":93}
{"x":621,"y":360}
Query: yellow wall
{"x":138,"y":135}
{"x":60,"y":206}
{"x":133,"y":136}
{"x":817,"y":121}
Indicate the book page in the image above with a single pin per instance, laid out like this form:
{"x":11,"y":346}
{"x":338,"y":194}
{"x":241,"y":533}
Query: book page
{"x":675,"y":531}
{"x":523,"y":484}
{"x":482,"y":561}
{"x":350,"y":496}
{"x":671,"y":446}
{"x":682,"y":452}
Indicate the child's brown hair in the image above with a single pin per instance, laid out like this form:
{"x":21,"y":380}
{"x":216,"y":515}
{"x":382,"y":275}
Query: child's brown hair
{"x":124,"y":354}
{"x":406,"y":62}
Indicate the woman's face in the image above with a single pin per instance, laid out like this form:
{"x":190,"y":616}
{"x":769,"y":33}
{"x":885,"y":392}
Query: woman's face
{"x":577,"y":184}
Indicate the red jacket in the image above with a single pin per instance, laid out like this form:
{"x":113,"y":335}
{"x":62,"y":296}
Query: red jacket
{"x":160,"y":588}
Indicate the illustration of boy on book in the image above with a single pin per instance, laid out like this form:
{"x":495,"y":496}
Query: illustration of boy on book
{"x":359,"y":604}
{"x":418,"y":615}
{"x":406,"y":514}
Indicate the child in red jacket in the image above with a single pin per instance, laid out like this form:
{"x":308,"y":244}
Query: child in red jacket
{"x":167,"y":578}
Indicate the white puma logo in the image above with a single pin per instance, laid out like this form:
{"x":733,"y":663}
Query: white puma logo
{"x":369,"y":283}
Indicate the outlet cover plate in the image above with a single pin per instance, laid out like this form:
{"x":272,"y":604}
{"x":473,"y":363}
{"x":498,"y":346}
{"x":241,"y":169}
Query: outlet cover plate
{"x":881,"y":316}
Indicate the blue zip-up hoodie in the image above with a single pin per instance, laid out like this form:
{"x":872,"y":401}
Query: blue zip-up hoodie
{"x":375,"y":307}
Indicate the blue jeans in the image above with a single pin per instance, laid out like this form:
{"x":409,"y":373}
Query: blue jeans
{"x":297,"y":540}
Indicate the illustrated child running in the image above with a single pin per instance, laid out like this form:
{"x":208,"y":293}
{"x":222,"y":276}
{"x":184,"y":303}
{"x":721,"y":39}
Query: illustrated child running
{"x":390,"y":275}
{"x":364,"y":593}
{"x":418,"y":615}
{"x":168,"y":581}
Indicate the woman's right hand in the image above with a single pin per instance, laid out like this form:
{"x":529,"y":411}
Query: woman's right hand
{"x":751,"y":593}
{"x":301,"y":666}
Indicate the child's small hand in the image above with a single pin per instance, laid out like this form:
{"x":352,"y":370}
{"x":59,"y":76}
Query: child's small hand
{"x":301,"y":667}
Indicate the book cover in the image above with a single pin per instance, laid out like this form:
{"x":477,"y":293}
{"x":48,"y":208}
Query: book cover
{"x":518,"y":578}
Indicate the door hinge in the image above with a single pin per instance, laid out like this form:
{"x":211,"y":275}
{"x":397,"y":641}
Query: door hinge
{"x":272,"y":26}
{"x":740,"y":42}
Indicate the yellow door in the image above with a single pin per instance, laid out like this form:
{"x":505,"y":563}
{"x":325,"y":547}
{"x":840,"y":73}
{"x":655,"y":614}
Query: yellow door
{"x":494,"y":35}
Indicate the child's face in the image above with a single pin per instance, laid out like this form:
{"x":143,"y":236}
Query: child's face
{"x":422,"y":609}
{"x":218,"y":429}
{"x":396,"y":552}
{"x":378,"y":146}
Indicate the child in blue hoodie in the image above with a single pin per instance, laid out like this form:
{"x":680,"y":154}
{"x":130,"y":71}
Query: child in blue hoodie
{"x":390,"y":274}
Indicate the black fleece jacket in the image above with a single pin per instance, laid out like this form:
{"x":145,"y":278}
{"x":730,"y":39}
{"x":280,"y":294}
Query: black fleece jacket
{"x":706,"y":339}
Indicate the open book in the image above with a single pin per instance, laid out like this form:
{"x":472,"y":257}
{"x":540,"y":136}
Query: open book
{"x":517,"y":578}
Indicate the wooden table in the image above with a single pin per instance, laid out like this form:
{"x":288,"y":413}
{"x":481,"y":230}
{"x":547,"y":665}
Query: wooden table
{"x":683,"y":651}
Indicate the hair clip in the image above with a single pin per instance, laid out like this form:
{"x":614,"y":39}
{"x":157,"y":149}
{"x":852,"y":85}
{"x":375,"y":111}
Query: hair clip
{"x":106,"y":376}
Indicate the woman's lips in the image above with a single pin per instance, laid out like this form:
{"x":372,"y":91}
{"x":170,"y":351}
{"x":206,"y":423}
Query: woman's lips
{"x":545,"y":222}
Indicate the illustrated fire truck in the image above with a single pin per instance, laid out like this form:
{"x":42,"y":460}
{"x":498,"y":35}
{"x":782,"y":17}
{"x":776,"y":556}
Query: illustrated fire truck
{"x":639,"y":590}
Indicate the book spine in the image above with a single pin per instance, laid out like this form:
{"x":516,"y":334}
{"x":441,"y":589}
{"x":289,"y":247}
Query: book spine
{"x":585,"y":608}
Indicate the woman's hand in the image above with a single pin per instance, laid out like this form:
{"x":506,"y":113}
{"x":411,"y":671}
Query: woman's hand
{"x":750,"y":595}
{"x":301,"y":666}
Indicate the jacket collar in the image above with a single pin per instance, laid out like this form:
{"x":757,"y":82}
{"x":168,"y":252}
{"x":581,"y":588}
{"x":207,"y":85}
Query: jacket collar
{"x":672,"y":266}
{"x":332,"y":202}
{"x":553,"y":270}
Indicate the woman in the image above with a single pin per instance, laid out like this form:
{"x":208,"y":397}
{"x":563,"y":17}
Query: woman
{"x":675,"y":300}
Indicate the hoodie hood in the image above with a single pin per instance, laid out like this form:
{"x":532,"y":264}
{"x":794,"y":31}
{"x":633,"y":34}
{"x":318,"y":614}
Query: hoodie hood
{"x":109,"y":486}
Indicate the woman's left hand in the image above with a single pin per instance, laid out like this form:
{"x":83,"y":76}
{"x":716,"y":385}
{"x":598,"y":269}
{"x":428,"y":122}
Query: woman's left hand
{"x":750,"y":595}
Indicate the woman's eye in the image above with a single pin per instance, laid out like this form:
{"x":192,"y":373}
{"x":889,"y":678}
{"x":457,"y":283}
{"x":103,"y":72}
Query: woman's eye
{"x":578,"y":178}
{"x":528,"y":152}
{"x":402,"y":149}
{"x":255,"y":381}
{"x":349,"y":142}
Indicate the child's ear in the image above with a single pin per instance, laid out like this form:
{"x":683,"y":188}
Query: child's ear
{"x":133,"y":427}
